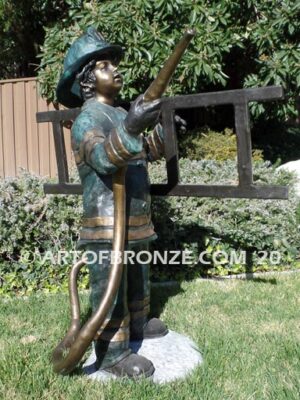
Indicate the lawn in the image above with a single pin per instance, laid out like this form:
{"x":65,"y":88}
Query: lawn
{"x":248,"y":333}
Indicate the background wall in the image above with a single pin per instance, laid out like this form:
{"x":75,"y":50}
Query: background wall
{"x":23,"y":142}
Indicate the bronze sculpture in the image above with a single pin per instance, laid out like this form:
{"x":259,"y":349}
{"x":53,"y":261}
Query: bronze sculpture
{"x":111,"y":154}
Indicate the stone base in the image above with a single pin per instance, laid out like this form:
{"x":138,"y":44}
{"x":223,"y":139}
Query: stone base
{"x":174,"y":356}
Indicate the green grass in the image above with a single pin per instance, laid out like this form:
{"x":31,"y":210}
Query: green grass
{"x":248,"y":332}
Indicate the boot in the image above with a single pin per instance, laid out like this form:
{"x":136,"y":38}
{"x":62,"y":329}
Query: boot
{"x":133,"y":366}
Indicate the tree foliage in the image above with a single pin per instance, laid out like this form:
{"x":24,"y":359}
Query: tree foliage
{"x":22,"y":33}
{"x":239,"y":44}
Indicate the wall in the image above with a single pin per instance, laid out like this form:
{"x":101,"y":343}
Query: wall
{"x":23,"y":142}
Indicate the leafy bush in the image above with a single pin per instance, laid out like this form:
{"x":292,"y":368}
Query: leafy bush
{"x":280,"y":143}
{"x":238,"y":44}
{"x":33,"y":224}
{"x":298,"y":213}
{"x":210,"y":145}
{"x":230,"y":225}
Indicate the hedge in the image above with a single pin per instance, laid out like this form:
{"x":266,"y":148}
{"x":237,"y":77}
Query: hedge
{"x":33,"y":224}
{"x":210,"y":225}
{"x":207,"y":144}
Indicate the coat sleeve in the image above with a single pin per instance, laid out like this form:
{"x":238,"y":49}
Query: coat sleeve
{"x":102,"y":151}
{"x":154,"y":144}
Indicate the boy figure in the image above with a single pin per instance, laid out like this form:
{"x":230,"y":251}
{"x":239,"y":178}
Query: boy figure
{"x":104,"y":139}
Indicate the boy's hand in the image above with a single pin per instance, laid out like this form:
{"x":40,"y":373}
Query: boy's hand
{"x":142,"y":115}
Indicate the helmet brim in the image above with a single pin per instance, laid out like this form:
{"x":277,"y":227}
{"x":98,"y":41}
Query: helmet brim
{"x":68,"y":90}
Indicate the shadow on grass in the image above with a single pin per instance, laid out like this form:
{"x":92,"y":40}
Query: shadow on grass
{"x":271,"y":281}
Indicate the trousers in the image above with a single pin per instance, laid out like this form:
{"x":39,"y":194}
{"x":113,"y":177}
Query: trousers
{"x":131,"y":306}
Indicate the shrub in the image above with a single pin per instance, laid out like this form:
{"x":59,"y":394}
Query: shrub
{"x":206,"y":144}
{"x":280,"y":143}
{"x":33,"y":223}
{"x":298,"y":213}
{"x":230,"y":225}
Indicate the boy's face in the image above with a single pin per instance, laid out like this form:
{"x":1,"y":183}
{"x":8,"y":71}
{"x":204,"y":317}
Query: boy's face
{"x":108,"y":80}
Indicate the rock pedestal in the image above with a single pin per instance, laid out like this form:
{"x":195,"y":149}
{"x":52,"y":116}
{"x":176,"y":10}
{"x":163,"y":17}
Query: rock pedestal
{"x":174,"y":356}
